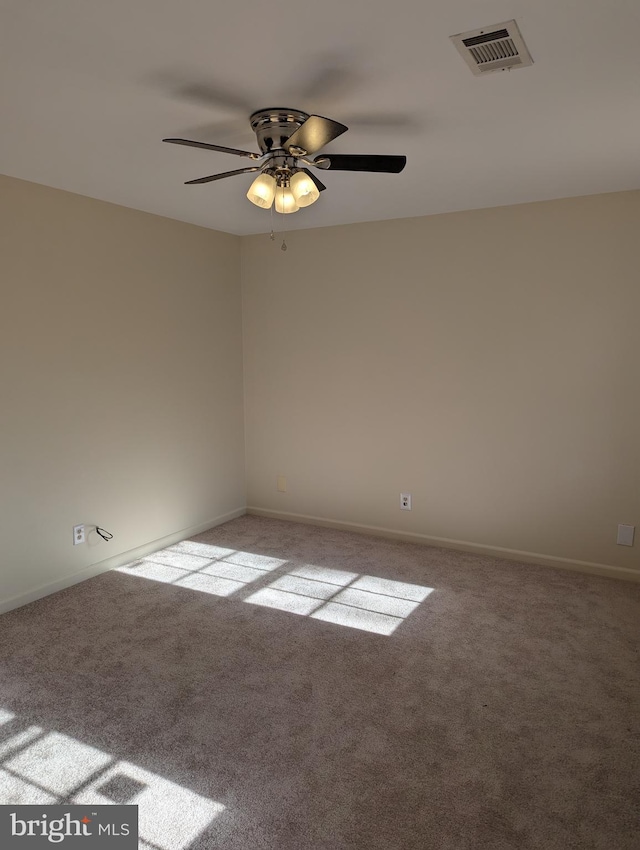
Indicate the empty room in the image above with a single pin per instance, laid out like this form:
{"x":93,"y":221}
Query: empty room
{"x":319,"y":492}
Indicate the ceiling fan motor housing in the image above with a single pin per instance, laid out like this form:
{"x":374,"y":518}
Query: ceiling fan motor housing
{"x":274,"y":126}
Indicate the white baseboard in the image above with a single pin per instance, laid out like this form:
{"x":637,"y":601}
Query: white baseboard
{"x":461,"y":545}
{"x":115,"y":561}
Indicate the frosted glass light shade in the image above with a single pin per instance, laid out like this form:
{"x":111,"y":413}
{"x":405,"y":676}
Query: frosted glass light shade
{"x":285,"y":202}
{"x":262,"y":191}
{"x":304,"y":189}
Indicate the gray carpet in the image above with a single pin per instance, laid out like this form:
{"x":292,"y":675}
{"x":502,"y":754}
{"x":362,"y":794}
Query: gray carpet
{"x":280,"y":686}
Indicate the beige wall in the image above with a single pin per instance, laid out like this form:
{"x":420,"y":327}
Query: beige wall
{"x":120,"y":377}
{"x":488,"y":362}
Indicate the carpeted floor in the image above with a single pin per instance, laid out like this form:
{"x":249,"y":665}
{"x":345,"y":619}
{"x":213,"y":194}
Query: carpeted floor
{"x":275,"y":686}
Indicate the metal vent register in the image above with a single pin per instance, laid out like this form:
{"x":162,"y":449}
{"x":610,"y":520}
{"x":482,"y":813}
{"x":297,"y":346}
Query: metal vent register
{"x":497,"y":48}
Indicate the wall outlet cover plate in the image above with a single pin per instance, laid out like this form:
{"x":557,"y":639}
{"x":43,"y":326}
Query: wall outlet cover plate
{"x":625,"y":535}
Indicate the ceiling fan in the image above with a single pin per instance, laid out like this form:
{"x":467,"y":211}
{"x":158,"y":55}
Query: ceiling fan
{"x":288,"y":140}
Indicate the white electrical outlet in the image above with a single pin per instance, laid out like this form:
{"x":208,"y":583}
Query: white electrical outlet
{"x":281,"y":483}
{"x":78,"y":534}
{"x":625,"y":535}
{"x":405,"y":501}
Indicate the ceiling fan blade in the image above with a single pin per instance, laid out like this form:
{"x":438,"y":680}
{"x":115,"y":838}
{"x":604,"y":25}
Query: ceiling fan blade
{"x":385,"y":122}
{"x":362,"y":162}
{"x":319,"y":184}
{"x":328,"y":77}
{"x":209,"y":94}
{"x":213,"y":177}
{"x":233,"y":129}
{"x":192,"y":144}
{"x":315,"y":133}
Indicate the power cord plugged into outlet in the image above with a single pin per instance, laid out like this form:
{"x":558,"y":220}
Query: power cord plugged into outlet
{"x":106,"y":535}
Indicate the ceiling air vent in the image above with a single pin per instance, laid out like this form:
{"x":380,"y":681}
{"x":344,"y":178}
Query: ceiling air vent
{"x":496,"y":48}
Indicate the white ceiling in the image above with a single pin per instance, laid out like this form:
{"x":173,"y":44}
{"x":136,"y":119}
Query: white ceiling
{"x":89,"y":88}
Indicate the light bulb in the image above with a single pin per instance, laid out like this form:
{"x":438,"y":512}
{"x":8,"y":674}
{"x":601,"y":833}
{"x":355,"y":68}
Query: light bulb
{"x":262,"y":191}
{"x":304,"y":189}
{"x":285,"y":202}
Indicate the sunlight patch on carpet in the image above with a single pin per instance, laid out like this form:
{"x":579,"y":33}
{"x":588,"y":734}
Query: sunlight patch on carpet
{"x":291,"y":602}
{"x":345,"y":598}
{"x":337,"y":577}
{"x":368,"y":603}
{"x":5,"y":717}
{"x":170,"y":817}
{"x":357,"y":618}
{"x":57,"y":763}
{"x":18,"y":740}
{"x":40,"y":767}
{"x":200,"y":566}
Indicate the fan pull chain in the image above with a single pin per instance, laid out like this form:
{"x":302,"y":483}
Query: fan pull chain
{"x":272,"y":234}
{"x":283,"y":247}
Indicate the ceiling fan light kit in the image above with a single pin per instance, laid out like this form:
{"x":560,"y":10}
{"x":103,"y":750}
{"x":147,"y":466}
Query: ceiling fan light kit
{"x":285,"y":201}
{"x":289,"y":193}
{"x":304,"y":189}
{"x":262,"y":191}
{"x":288,"y":139}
